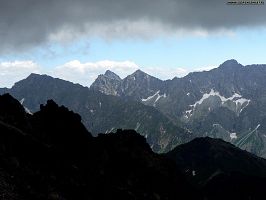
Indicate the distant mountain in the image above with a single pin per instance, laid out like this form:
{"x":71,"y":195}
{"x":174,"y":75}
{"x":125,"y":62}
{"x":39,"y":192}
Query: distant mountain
{"x":228,"y":102}
{"x":221,"y":170}
{"x":3,"y":90}
{"x":52,"y":156}
{"x":134,"y":86}
{"x":100,"y":112}
{"x":108,"y":83}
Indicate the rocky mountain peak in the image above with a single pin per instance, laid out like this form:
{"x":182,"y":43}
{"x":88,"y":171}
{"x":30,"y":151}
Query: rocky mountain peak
{"x":139,"y":73}
{"x":111,"y":75}
{"x":33,"y":79}
{"x":12,"y":112}
{"x":230,"y":64}
{"x":34,"y":75}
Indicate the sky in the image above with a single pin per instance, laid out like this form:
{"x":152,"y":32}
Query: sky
{"x":78,"y":40}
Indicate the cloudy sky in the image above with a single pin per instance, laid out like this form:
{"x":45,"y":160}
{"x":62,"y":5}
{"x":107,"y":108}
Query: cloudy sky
{"x":79,"y":39}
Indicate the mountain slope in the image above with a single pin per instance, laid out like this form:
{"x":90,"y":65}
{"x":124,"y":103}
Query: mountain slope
{"x":107,"y":83}
{"x":34,"y":165}
{"x":55,"y":160}
{"x":228,"y":102}
{"x":135,"y":86}
{"x":99,"y":112}
{"x":220,"y":169}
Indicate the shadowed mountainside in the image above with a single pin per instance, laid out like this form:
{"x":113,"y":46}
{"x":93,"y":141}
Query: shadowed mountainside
{"x":221,"y":170}
{"x":101,"y":113}
{"x":51,"y":155}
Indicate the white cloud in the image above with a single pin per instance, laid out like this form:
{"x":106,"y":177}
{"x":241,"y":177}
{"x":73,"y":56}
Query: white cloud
{"x":86,"y":73}
{"x":166,"y":73}
{"x":206,"y":68}
{"x":11,"y":72}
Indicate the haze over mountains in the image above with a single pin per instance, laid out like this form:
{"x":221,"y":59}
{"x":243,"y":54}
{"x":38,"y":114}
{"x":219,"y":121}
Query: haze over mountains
{"x":227,"y":102}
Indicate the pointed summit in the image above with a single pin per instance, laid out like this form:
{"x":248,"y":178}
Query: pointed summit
{"x":111,"y":75}
{"x":139,"y":72}
{"x":41,"y":76}
{"x":33,"y":75}
{"x":230,"y":64}
{"x":107,"y":83}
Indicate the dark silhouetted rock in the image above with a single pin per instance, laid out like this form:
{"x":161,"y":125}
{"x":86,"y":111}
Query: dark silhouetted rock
{"x":221,"y":170}
{"x":103,"y":113}
{"x":59,"y":159}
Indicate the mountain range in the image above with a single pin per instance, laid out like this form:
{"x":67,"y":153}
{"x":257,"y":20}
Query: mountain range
{"x":49,"y":154}
{"x":101,"y":113}
{"x":228,"y":102}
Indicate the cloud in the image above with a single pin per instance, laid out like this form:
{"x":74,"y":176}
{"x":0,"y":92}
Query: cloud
{"x":86,"y":73}
{"x":27,"y":24}
{"x":11,"y":72}
{"x":206,"y":68}
{"x":82,"y":73}
{"x":164,"y":73}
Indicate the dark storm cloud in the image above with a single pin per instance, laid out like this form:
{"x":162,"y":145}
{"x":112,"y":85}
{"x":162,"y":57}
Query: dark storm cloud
{"x":29,"y":23}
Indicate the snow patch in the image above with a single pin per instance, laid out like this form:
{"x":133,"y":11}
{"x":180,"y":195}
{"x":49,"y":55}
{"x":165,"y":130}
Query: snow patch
{"x":109,"y":131}
{"x":233,"y":136}
{"x":193,"y":173}
{"x":27,"y":110}
{"x":243,"y":140}
{"x":188,"y":113}
{"x":22,"y":101}
{"x":137,"y":126}
{"x":236,"y":98}
{"x":188,"y":94}
{"x":241,"y":101}
{"x":150,"y":97}
{"x":244,"y":106}
{"x":156,"y":96}
{"x":205,"y":96}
